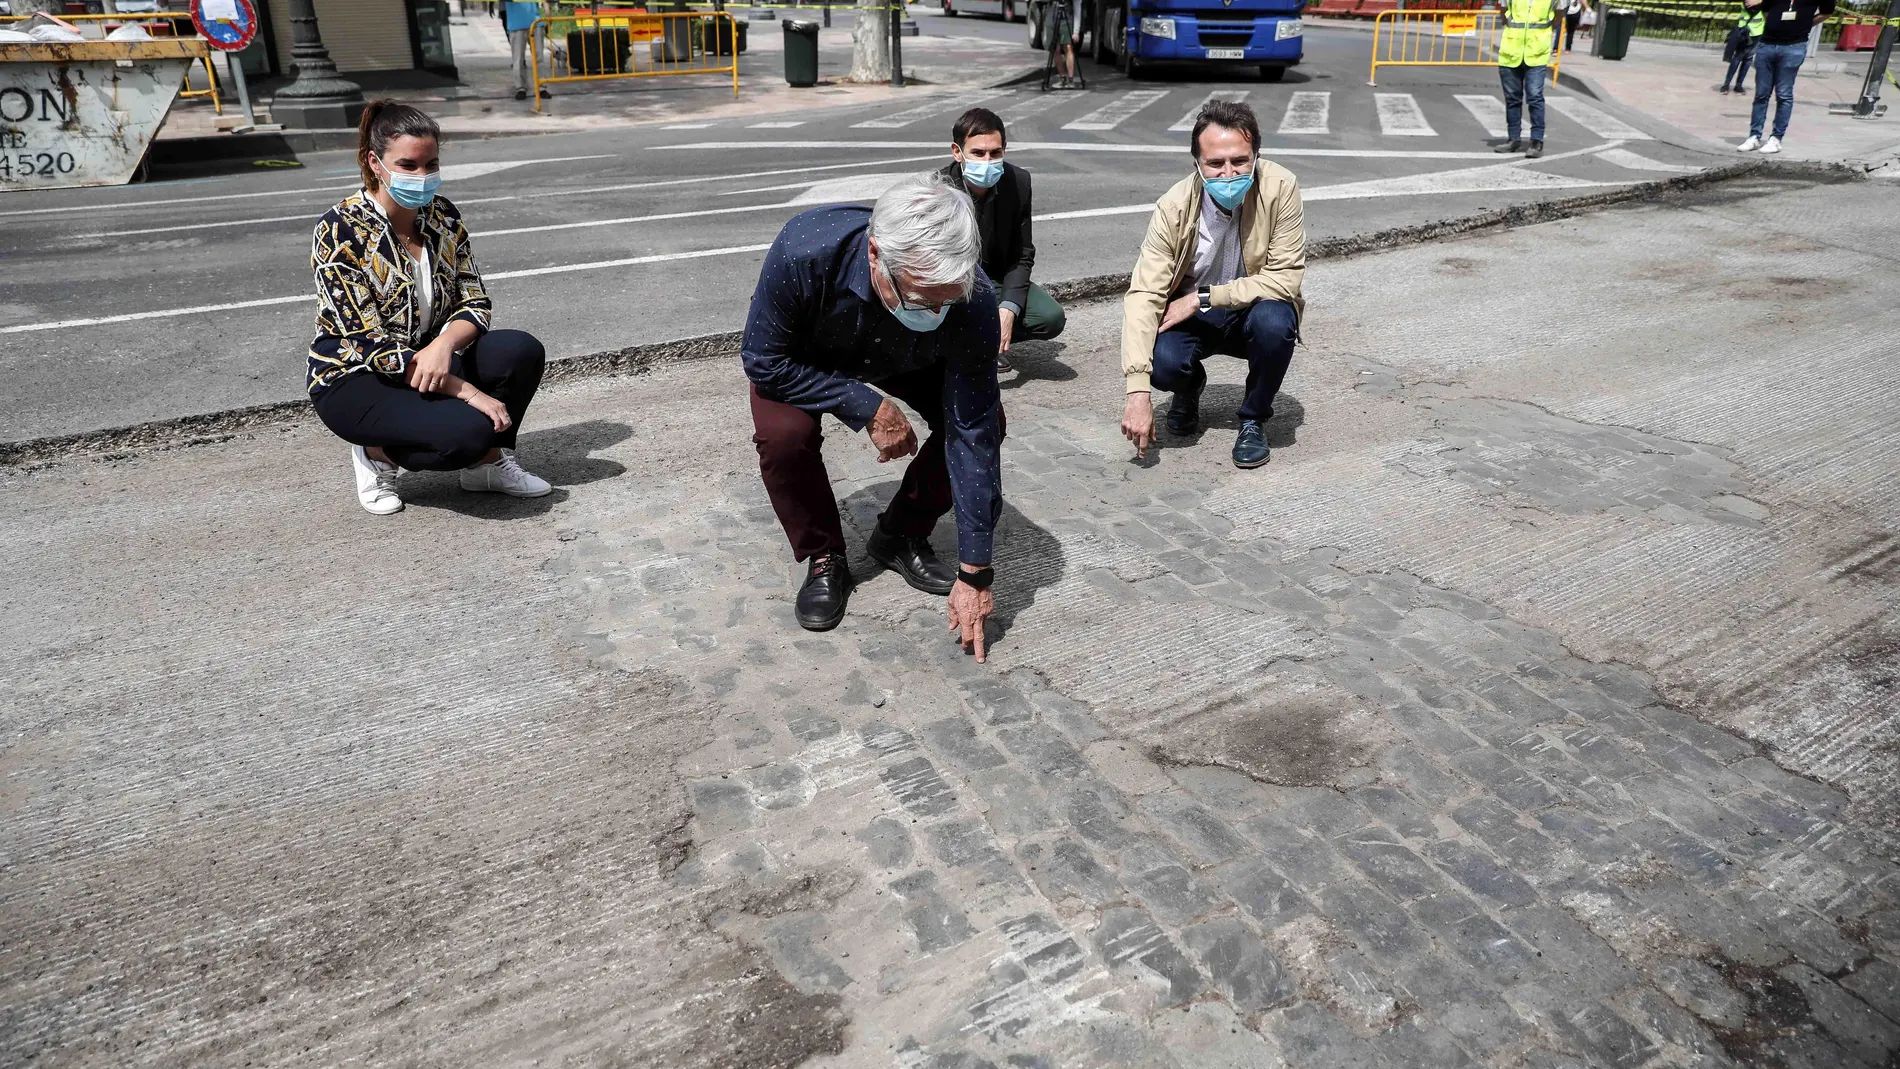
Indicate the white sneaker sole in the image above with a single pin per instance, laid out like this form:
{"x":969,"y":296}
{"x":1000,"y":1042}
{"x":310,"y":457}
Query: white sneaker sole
{"x":386,"y":508}
{"x":505,"y":490}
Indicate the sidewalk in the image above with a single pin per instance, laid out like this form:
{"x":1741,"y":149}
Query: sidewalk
{"x":484,"y":105}
{"x":1471,"y":731}
{"x":1676,"y":84}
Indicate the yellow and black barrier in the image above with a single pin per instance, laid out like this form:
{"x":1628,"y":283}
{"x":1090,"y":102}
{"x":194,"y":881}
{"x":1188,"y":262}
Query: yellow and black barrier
{"x":1439,"y":37}
{"x":604,"y":44}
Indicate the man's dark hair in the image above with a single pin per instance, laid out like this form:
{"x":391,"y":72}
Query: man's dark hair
{"x":1232,"y":114}
{"x":977,"y":121}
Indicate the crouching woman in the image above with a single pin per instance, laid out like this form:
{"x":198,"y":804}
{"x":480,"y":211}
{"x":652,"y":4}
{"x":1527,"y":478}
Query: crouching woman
{"x":404,"y":367}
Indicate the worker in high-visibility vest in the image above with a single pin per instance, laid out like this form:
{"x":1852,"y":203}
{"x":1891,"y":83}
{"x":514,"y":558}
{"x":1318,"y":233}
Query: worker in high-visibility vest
{"x":1739,"y":49}
{"x":1530,"y":32}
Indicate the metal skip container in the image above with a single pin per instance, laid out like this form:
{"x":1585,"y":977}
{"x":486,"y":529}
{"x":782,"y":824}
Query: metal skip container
{"x":82,"y":113}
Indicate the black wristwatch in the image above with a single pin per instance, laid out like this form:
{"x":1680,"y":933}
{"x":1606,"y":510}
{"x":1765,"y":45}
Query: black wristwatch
{"x":979,"y":579}
{"x":1206,"y":293}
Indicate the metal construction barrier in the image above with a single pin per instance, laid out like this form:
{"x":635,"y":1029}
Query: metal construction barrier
{"x":161,"y":26}
{"x":1440,"y":37}
{"x":606,"y":44}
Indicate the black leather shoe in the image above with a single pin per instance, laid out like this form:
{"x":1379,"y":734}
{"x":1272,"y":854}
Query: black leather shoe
{"x":827,"y":587}
{"x":1537,"y":149}
{"x":1512,"y":148}
{"x":913,"y":559}
{"x":1184,"y":411}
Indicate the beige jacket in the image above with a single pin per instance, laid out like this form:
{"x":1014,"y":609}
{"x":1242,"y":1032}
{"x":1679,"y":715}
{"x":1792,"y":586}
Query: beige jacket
{"x":1272,"y":260}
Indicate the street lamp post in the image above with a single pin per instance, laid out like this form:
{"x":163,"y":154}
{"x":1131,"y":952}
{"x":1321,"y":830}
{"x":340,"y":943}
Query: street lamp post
{"x":316,"y":99}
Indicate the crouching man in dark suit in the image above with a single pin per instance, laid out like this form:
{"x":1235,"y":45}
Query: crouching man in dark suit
{"x":1000,"y":192}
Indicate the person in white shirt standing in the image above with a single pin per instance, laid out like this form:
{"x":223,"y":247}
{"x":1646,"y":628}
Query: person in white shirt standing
{"x":517,"y":18}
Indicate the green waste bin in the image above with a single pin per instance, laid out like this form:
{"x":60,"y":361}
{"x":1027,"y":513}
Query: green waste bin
{"x":801,"y":53}
{"x":1619,"y":25}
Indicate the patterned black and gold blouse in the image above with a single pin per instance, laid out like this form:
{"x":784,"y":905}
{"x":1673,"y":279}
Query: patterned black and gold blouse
{"x":366,"y":301}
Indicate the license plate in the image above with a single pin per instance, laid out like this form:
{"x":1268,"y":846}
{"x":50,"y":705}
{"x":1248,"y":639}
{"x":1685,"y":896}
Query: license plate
{"x":1226,"y":53}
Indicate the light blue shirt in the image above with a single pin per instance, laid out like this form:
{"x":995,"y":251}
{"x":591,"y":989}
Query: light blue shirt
{"x":516,"y":15}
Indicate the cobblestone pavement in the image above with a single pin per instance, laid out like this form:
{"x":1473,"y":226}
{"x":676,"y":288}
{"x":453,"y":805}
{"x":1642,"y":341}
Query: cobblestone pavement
{"x":1475,"y":730}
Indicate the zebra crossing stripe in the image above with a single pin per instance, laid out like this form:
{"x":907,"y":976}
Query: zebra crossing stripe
{"x":1307,"y":113}
{"x":776,"y":125}
{"x":1186,"y":122}
{"x":1488,"y":110}
{"x":1597,"y":121}
{"x":688,"y":126}
{"x":1399,"y":116}
{"x":1626,"y":158}
{"x":924,"y":111}
{"x":1041,"y":102}
{"x":1117,"y":111}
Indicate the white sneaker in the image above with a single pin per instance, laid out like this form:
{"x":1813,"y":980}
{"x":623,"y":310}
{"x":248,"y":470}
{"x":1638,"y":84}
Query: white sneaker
{"x":1749,"y":145}
{"x":375,"y":483}
{"x":506,"y":476}
{"x":1773,"y":144}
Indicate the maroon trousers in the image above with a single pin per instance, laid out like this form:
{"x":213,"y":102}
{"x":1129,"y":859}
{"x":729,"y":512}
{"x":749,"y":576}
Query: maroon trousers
{"x":789,"y":442}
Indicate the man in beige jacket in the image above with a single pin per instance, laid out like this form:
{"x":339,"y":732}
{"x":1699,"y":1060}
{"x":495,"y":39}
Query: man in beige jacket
{"x":1219,"y":272}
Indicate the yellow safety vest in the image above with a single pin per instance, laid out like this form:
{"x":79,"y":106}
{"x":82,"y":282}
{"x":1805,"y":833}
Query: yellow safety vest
{"x":1527,"y":36}
{"x":1755,"y":23}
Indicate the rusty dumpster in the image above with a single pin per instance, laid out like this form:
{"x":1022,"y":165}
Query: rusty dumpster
{"x":82,"y":113}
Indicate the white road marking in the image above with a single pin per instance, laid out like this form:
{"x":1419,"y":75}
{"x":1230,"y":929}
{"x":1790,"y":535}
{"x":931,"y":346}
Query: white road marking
{"x":1625,"y":158}
{"x":1117,"y":111}
{"x":1307,"y":113}
{"x":1596,"y":120}
{"x":923,"y":111}
{"x":308,"y":218}
{"x":1504,"y":176}
{"x":857,"y":187}
{"x":456,"y":172}
{"x":1488,"y":110}
{"x":655,"y":218}
{"x":1091,"y":146}
{"x":1186,"y":122}
{"x":108,"y":207}
{"x":776,"y":125}
{"x":688,"y":125}
{"x":167,"y":313}
{"x":1034,"y":105}
{"x":1399,"y":116}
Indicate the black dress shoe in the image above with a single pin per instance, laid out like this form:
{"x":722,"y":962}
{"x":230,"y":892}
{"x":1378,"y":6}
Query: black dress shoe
{"x":1184,"y":409}
{"x":1511,"y":147}
{"x":912,"y":558}
{"x":827,"y":587}
{"x":1536,"y":150}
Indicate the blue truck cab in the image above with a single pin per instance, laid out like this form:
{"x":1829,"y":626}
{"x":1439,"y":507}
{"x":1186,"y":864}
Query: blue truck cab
{"x":1263,"y":33}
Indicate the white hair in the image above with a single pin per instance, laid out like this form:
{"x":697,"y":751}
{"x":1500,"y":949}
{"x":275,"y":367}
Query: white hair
{"x":927,"y":229}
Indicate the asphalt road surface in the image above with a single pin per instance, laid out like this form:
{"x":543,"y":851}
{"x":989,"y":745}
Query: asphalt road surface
{"x":131,"y":304}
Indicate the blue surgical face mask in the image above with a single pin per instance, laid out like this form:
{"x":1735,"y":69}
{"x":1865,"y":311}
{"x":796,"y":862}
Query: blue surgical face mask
{"x":982,"y":173}
{"x":1229,"y":192}
{"x":921,"y":320}
{"x":412,"y":191}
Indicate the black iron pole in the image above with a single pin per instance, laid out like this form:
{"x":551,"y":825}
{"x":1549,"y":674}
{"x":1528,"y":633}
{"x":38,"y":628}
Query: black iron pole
{"x":897,"y":44}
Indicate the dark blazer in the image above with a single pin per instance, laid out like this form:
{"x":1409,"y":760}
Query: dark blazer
{"x":1008,"y":250}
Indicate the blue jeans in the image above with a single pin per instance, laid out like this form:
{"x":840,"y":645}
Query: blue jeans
{"x":1775,"y":67}
{"x":1523,"y":84}
{"x":1738,"y":68}
{"x":1262,"y":335}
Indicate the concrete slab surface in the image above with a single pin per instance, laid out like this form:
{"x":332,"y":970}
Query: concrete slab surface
{"x":1534,"y":707}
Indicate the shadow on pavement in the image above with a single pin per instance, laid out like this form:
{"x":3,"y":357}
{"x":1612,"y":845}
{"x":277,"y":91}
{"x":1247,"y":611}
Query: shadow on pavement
{"x":1028,"y":558}
{"x":1037,"y":361}
{"x":561,"y":455}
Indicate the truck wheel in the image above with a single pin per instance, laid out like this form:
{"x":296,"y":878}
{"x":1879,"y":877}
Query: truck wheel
{"x":1035,"y":29}
{"x":949,"y":11}
{"x":1272,"y":74}
{"x":1009,"y":11}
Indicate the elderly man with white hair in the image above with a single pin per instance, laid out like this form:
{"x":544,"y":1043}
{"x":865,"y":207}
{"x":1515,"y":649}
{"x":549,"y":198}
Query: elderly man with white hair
{"x":856,"y":306}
